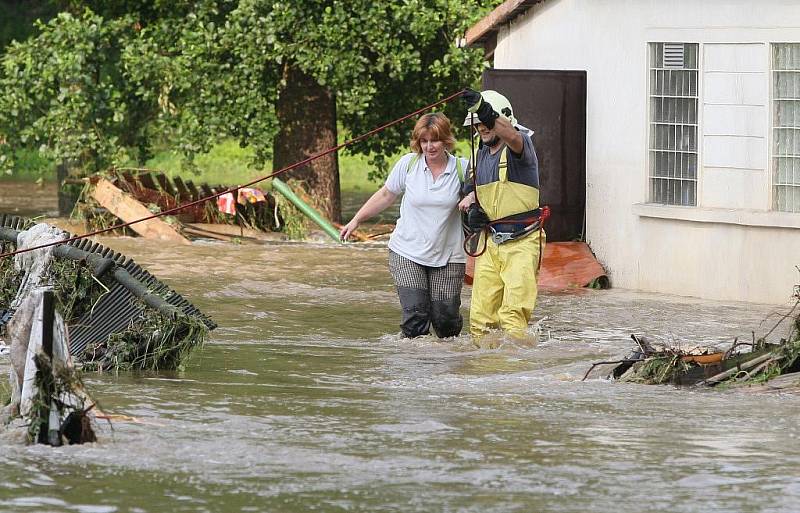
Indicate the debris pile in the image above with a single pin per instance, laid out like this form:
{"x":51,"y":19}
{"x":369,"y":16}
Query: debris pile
{"x":122,"y":195}
{"x":118,"y":316}
{"x":743,"y":363}
{"x":80,"y":305}
{"x":45,"y":389}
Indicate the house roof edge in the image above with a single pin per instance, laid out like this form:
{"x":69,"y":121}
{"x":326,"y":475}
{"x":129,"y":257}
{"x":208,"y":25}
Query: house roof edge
{"x":488,"y":26}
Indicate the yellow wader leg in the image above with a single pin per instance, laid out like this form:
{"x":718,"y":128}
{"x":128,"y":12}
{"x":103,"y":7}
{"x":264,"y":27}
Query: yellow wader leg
{"x":519,"y":271}
{"x":487,"y":292}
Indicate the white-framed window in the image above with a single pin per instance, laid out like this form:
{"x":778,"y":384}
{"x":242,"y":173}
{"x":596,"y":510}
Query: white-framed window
{"x":786,"y":126}
{"x":673,"y":123}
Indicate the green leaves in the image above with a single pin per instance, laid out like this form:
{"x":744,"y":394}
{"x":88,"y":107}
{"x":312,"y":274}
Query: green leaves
{"x":61,"y":93}
{"x":117,"y":78}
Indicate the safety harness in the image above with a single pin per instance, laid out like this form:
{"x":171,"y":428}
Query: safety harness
{"x":509,"y":228}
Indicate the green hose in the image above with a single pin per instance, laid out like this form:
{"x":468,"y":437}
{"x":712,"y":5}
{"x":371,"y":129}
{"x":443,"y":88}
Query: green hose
{"x":315,"y":216}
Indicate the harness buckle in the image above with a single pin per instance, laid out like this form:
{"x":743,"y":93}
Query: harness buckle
{"x":501,"y":237}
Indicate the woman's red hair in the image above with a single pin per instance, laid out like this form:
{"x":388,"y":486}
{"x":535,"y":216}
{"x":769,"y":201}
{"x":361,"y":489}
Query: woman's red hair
{"x":434,"y":127}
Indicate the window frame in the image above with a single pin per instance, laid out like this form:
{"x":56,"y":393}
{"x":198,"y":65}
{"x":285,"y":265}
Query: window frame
{"x":652,"y":47}
{"x":773,"y":128}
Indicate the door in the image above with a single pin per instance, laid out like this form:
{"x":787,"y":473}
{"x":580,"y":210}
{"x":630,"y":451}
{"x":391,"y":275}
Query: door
{"x":553,"y":105}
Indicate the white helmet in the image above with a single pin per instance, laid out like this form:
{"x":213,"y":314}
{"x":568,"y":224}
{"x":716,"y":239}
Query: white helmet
{"x":499,"y":103}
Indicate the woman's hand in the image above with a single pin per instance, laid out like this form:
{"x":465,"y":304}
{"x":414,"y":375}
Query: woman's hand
{"x":468,"y":200}
{"x":347,"y":229}
{"x":376,"y":204}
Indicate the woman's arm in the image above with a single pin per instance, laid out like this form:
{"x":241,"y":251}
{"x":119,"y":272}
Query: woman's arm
{"x":376,"y":204}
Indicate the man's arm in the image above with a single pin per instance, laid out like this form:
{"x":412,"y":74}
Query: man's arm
{"x":509,"y":135}
{"x":493,"y":121}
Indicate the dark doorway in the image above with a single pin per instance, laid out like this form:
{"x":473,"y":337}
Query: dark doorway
{"x":553,"y":105}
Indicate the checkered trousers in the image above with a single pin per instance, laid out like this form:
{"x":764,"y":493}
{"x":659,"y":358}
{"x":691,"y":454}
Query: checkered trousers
{"x":443,"y":283}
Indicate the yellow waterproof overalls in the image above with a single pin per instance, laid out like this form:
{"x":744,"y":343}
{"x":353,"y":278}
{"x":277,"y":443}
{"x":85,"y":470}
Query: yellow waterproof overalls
{"x":504,"y":286}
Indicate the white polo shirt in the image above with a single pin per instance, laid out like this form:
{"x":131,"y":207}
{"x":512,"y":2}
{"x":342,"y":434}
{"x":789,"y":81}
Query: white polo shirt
{"x":429,"y":229}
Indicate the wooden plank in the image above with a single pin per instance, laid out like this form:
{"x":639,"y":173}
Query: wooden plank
{"x":206,"y":190}
{"x":233,"y":231}
{"x":146,"y":179}
{"x":165,"y":184}
{"x":195,"y":194}
{"x":128,"y":209}
{"x":183,"y":192}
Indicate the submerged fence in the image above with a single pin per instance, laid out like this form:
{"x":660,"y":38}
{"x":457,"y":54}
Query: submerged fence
{"x":132,"y":289}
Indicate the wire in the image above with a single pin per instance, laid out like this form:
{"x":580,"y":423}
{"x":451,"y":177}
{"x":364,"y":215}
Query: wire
{"x":248,"y":184}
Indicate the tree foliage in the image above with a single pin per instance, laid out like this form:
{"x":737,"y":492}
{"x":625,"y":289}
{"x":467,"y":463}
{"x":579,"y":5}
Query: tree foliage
{"x":17,"y":17}
{"x":106,"y":80}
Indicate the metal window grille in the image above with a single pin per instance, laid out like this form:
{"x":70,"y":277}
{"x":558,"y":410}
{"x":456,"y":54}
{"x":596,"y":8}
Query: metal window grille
{"x":786,"y":126}
{"x":673,"y":123}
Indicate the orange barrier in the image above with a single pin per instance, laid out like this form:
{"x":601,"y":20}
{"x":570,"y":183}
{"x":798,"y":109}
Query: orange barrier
{"x":565,"y":265}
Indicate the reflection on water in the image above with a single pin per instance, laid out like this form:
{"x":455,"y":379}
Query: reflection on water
{"x":306,"y":399}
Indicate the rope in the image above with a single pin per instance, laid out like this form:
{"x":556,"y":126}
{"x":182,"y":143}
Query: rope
{"x":544,"y":213}
{"x":470,"y":236}
{"x":234,"y":189}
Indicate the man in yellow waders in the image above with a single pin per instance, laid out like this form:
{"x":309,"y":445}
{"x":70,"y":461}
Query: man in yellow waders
{"x":502,"y":201}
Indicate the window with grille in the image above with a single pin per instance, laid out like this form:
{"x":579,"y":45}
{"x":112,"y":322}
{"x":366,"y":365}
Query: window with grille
{"x":673,"y":123}
{"x":786,"y":126}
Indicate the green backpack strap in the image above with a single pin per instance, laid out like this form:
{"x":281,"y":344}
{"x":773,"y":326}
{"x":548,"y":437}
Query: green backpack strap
{"x":412,"y":162}
{"x":459,"y":167}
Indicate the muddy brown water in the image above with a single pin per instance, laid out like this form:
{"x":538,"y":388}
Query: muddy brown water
{"x":305,"y":399}
{"x":28,"y":199}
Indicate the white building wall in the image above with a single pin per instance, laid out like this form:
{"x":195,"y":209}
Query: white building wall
{"x":729,"y":247}
{"x":735,"y":126}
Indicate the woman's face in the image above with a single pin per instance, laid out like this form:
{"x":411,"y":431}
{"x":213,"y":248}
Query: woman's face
{"x":431,"y":148}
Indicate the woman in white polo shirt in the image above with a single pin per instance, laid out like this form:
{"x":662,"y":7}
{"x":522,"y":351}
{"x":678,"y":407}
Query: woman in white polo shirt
{"x":426,"y":255}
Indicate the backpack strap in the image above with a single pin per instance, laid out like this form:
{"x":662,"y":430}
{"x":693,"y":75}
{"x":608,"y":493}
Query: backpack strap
{"x":412,"y":162}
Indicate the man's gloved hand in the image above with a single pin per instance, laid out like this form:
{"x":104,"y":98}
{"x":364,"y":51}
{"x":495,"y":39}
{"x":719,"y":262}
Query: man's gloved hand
{"x":476,"y":105}
{"x":476,"y":218}
{"x":472,"y":99}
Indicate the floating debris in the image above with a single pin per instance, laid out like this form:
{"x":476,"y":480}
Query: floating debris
{"x":125,"y":194}
{"x":80,"y":306}
{"x":743,"y":363}
{"x":119,"y":316}
{"x":45,"y":389}
{"x":60,"y":410}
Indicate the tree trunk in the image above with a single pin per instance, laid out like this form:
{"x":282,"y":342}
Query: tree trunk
{"x":306,"y":114}
{"x":68,"y":193}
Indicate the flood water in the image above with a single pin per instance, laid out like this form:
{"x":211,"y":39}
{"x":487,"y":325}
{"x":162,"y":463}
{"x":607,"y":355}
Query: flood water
{"x":305,"y":399}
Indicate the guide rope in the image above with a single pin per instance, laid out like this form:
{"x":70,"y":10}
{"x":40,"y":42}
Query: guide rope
{"x":248,"y":184}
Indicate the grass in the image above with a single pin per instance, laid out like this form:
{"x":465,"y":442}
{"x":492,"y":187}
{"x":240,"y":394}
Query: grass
{"x":225,"y":164}
{"x":31,"y":167}
{"x":228,"y":164}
